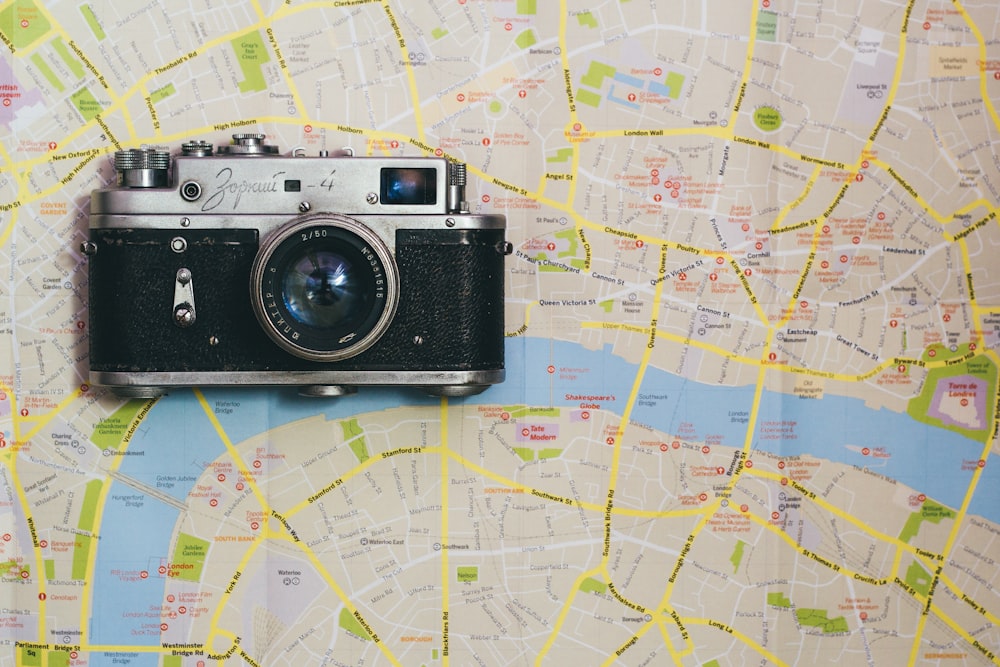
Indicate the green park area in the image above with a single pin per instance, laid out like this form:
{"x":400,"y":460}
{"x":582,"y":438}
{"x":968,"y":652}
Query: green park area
{"x":251,"y":54}
{"x":961,"y":365}
{"x":22,"y":23}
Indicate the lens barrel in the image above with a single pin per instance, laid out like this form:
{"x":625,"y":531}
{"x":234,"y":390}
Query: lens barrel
{"x":324,"y":287}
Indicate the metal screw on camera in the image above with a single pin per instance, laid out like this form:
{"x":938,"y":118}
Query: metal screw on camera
{"x":184,"y":315}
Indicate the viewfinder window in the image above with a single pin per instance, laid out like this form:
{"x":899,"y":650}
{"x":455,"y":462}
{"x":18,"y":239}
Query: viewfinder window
{"x":407,"y":186}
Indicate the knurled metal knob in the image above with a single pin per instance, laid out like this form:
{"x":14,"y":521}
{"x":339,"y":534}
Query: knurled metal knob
{"x":248,"y":137}
{"x":248,"y":144}
{"x":142,"y":167}
{"x":198,"y":148}
{"x":456,"y":188}
{"x":456,"y":173}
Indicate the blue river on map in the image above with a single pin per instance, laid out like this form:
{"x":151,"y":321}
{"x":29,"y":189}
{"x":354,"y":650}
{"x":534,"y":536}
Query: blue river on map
{"x":178,"y":441}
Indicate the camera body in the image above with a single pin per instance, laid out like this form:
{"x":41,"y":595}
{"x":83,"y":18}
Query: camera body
{"x":240,"y":266}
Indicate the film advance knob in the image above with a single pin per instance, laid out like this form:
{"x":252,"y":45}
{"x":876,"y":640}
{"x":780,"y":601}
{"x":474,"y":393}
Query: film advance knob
{"x":142,"y":167}
{"x":248,"y":144}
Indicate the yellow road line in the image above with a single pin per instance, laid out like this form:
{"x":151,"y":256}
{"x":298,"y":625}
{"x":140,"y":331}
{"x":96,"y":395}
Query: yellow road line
{"x":282,"y":534}
{"x":745,"y":639}
{"x":567,"y":607}
{"x":411,"y":77}
{"x":445,"y":538}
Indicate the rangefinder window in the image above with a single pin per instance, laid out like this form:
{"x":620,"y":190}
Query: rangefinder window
{"x":409,"y":186}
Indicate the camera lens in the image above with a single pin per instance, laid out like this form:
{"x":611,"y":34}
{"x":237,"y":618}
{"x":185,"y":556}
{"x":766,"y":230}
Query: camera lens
{"x":324,"y":287}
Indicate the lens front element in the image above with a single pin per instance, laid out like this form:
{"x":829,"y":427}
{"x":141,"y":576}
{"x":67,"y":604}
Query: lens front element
{"x":324,"y":287}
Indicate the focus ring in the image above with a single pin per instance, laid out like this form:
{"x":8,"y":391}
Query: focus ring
{"x":328,"y":333}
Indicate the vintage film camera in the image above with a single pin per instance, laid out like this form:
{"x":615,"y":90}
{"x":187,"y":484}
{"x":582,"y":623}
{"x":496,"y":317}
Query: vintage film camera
{"x":246,"y":267}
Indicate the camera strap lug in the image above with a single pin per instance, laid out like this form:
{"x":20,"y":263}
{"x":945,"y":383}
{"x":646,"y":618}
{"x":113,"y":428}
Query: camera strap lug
{"x":184,"y":313}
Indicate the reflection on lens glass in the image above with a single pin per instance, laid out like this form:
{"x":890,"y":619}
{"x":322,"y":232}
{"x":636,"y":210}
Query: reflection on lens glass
{"x":406,"y":185}
{"x":319,"y":290}
{"x":402,"y":186}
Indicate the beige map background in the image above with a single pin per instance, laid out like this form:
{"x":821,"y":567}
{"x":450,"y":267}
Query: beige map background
{"x":752,"y":315}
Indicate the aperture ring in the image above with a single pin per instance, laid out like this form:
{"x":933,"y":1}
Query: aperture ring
{"x":373,"y":275}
